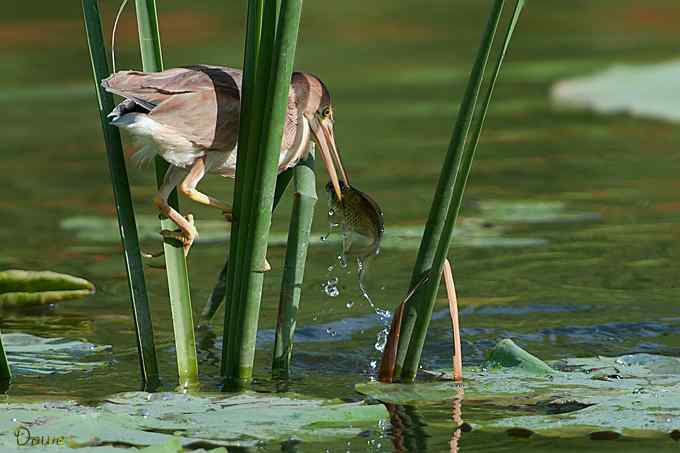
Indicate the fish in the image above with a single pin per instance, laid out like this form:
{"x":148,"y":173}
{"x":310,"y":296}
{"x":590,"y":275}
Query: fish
{"x":360,"y":218}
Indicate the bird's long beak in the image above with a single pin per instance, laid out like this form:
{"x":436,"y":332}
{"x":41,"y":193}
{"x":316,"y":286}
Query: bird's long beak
{"x":323,"y":136}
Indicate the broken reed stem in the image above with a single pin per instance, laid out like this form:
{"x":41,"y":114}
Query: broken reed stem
{"x":239,"y":364}
{"x":448,"y":198}
{"x":455,"y":323}
{"x":122,"y":200}
{"x":175,"y":262}
{"x":299,"y":232}
{"x":5,"y":371}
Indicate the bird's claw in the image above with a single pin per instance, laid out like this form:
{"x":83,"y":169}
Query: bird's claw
{"x":186,"y":238}
{"x":151,"y":255}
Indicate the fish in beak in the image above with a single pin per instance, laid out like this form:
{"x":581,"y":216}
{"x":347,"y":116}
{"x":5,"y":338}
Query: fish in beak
{"x":322,"y":131}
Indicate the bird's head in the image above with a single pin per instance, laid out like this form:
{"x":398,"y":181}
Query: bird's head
{"x":314,"y":100}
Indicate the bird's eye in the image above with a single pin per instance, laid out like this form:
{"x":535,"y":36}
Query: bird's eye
{"x":326,"y":113}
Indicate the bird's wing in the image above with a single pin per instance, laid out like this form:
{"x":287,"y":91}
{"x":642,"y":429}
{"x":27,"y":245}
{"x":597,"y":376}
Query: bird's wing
{"x":200,"y":102}
{"x":207,"y":118}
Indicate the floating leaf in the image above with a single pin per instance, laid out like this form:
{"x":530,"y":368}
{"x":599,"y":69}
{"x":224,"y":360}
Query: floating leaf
{"x":532,"y":212}
{"x":20,"y":288}
{"x":470,"y":232}
{"x":163,"y":419}
{"x":634,"y":395}
{"x":507,"y":354}
{"x":28,"y":354}
{"x":651,"y":90}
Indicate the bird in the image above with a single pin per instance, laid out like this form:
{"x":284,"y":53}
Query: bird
{"x":190,"y":117}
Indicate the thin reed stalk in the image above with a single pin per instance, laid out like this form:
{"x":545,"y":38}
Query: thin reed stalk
{"x":245,"y":297}
{"x":447,"y":201}
{"x":299,"y":232}
{"x":122,"y":199}
{"x":5,"y":371}
{"x":175,"y":262}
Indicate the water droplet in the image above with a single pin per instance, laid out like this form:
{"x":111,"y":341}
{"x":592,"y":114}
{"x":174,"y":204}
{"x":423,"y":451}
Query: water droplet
{"x":330,"y":268}
{"x":381,"y":340}
{"x":330,"y":287}
{"x":382,"y":288}
{"x":315,"y":317}
{"x":331,"y":332}
{"x":331,"y":212}
{"x":349,"y":304}
{"x":384,"y":315}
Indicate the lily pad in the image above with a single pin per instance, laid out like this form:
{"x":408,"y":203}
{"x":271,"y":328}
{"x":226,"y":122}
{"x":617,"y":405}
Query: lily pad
{"x":507,"y":354}
{"x":532,"y":212}
{"x":19,"y":288}
{"x":470,"y":232}
{"x":28,"y":354}
{"x":141,"y":419}
{"x":651,"y":90}
{"x":633,"y":395}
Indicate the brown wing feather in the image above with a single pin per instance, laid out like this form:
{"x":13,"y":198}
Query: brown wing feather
{"x":201,"y":102}
{"x":204,"y":117}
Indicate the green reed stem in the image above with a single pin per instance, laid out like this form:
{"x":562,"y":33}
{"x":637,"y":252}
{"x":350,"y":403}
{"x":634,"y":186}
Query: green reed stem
{"x":219,"y":289}
{"x":261,"y":23}
{"x":244,"y":320}
{"x":122,"y":199}
{"x":299,"y":232}
{"x":5,"y":371}
{"x":178,"y":279}
{"x":448,"y":198}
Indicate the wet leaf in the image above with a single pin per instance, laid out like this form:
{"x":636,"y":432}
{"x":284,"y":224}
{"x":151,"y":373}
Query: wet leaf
{"x":507,"y":354}
{"x":163,"y":419}
{"x":634,"y":395}
{"x":532,"y":212}
{"x":471,"y":232}
{"x":28,"y":354}
{"x":19,"y":288}
{"x":650,"y":90}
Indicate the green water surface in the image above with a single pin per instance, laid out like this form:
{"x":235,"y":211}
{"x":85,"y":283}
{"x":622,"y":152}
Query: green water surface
{"x":598,"y":275}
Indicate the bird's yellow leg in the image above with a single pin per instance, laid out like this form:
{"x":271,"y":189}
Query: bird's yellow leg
{"x":187,"y":234}
{"x":188,"y":188}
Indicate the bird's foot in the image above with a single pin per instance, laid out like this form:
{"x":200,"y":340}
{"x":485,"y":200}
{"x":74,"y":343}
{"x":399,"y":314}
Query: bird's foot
{"x":185,"y":237}
{"x":266,"y":267}
{"x":151,"y":255}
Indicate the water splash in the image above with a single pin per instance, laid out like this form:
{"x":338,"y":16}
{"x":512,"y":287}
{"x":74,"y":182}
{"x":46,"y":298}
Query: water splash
{"x":383,"y":315}
{"x":331,"y":332}
{"x":330,"y":287}
{"x":381,"y":340}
